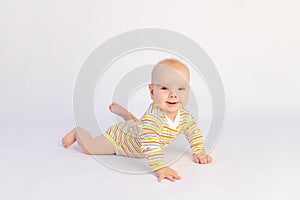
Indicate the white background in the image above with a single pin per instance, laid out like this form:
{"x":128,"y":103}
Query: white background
{"x":254,"y":45}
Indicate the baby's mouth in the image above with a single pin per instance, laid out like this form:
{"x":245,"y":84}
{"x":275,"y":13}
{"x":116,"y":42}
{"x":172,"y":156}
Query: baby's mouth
{"x":172,"y":103}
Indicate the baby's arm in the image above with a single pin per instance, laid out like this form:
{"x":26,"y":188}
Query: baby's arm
{"x":150,"y":145}
{"x":152,"y":150}
{"x":195,"y":139}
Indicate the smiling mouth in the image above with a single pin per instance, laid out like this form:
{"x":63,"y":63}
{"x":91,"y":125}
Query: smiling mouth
{"x":172,"y":103}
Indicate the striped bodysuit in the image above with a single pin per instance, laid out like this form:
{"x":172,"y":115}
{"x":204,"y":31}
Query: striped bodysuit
{"x":148,"y":136}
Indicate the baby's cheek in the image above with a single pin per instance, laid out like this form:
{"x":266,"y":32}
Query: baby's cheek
{"x":184,"y":99}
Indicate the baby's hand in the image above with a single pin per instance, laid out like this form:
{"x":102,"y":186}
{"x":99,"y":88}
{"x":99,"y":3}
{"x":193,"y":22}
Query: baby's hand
{"x":202,"y":158}
{"x":167,"y":173}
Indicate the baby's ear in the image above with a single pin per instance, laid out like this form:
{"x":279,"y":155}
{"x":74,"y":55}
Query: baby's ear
{"x":151,"y":90}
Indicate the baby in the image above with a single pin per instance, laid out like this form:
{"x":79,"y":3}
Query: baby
{"x":162,"y":122}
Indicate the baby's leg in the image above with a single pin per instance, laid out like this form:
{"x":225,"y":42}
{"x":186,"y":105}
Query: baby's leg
{"x":92,"y":146}
{"x":121,"y":111}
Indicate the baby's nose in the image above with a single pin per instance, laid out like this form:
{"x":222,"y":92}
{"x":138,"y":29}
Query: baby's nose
{"x":173,"y":94}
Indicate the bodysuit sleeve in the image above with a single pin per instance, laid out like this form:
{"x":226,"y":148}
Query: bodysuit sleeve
{"x":150,"y":129}
{"x":194,"y":136}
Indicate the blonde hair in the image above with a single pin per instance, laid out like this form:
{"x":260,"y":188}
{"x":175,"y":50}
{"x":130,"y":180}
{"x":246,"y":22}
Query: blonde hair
{"x":174,"y":64}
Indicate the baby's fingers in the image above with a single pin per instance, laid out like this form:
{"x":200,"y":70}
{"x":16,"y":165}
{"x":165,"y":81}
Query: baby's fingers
{"x":203,"y":160}
{"x":171,"y":178}
{"x":206,"y":160}
{"x":176,"y":176}
{"x":197,"y":160}
{"x":209,"y":159}
{"x":161,"y":177}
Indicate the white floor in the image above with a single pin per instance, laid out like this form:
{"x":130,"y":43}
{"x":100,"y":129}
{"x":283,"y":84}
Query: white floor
{"x":250,"y":162}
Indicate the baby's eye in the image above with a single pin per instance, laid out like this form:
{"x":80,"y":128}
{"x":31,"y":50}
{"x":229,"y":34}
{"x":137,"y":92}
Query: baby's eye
{"x":164,"y":88}
{"x":181,"y":89}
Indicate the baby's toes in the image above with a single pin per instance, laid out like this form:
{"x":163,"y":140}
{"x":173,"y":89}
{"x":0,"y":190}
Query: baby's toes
{"x":111,"y":106}
{"x":65,"y":142}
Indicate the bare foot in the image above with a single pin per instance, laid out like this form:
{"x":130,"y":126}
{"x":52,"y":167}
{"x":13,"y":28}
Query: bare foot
{"x":118,"y":109}
{"x":69,"y":139}
{"x":121,"y":111}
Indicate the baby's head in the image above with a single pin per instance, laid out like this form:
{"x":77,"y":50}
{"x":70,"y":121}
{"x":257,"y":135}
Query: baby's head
{"x":170,"y":85}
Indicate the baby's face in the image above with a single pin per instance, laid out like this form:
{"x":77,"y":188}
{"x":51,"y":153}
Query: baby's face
{"x":170,"y":89}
